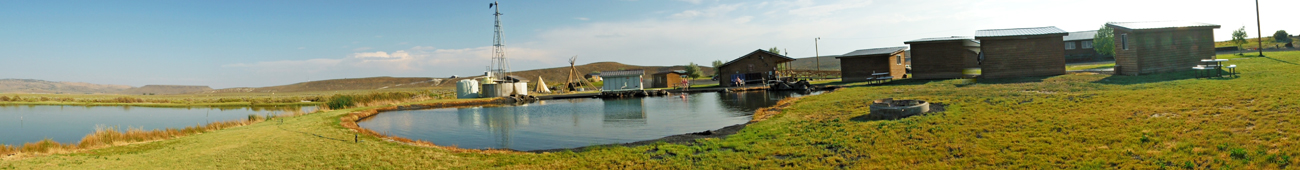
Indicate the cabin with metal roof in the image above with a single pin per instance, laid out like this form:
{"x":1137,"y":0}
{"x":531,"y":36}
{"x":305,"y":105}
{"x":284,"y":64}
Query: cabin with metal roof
{"x":943,"y":57}
{"x":751,"y":68}
{"x":1078,"y":47}
{"x":1022,"y":52}
{"x":869,"y":64}
{"x":667,"y":79}
{"x":623,"y":80}
{"x":1163,"y":46}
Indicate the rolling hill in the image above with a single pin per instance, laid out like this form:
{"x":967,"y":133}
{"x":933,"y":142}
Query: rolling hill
{"x":809,"y":63}
{"x":369,"y":83}
{"x":552,"y":76}
{"x":54,"y":87}
{"x":165,"y":89}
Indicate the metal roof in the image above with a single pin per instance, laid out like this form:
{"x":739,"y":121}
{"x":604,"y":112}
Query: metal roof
{"x":779,"y":57}
{"x":672,"y":71}
{"x":873,"y":51}
{"x":1010,"y":32}
{"x":621,"y":73}
{"x":1081,"y":35}
{"x":1159,"y":25}
{"x":937,"y":39}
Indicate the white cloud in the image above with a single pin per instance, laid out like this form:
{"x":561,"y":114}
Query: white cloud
{"x":582,"y":18}
{"x":743,"y":19}
{"x":692,"y":1}
{"x":415,"y":59}
{"x":715,"y":11}
{"x":827,"y":9}
{"x":687,"y":14}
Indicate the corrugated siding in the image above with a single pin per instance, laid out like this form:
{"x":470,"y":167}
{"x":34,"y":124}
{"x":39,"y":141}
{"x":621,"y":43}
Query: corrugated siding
{"x":618,"y":83}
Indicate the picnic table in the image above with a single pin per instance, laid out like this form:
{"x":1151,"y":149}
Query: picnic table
{"x":1214,"y":65}
{"x":880,"y":77}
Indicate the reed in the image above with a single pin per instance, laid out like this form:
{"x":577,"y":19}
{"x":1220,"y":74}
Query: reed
{"x":104,"y":136}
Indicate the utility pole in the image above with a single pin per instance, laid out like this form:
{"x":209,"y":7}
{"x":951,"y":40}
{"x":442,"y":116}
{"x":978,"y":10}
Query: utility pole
{"x":1259,"y":30}
{"x":818,"y":55}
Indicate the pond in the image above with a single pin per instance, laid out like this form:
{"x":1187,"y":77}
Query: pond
{"x":572,"y":123}
{"x":68,"y":124}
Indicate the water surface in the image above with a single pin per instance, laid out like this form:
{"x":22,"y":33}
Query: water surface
{"x":68,"y":124}
{"x":571,"y":123}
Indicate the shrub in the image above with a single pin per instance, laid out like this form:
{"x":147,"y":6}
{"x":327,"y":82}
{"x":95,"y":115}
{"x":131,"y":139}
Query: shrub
{"x":1238,"y":153}
{"x":340,"y":102}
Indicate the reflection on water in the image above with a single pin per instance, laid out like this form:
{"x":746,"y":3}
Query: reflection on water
{"x":68,"y":124}
{"x":570,"y":123}
{"x":624,"y":112}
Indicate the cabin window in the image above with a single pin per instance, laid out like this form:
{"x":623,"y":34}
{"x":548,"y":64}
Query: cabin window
{"x":1069,"y":45}
{"x":899,"y":58}
{"x":1086,"y":44}
{"x":1123,"y":41}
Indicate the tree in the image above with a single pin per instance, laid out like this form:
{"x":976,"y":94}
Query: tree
{"x":1281,"y":37}
{"x":1104,"y":41}
{"x":1239,"y":37}
{"x":774,"y":50}
{"x":717,"y":67}
{"x":693,"y":71}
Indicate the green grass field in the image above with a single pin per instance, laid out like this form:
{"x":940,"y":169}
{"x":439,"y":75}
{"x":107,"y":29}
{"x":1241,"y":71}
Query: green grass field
{"x":1075,"y":121}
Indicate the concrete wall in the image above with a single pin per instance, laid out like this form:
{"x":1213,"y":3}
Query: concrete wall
{"x":1162,"y":51}
{"x":1015,"y":57}
{"x":941,"y":60}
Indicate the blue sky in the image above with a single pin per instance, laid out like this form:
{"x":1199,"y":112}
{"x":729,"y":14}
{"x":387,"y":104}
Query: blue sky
{"x":227,"y":44}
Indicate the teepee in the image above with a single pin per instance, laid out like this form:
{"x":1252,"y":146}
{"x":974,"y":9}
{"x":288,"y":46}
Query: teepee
{"x":541,"y":86}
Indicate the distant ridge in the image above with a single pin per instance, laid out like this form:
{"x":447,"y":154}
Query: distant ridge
{"x":809,"y":63}
{"x":54,"y":87}
{"x":368,"y":83}
{"x":166,"y":89}
{"x":554,"y":75}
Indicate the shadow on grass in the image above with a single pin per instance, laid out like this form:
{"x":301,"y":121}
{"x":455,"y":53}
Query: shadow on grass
{"x":1149,"y":78}
{"x":1014,"y":80}
{"x":1280,"y":61}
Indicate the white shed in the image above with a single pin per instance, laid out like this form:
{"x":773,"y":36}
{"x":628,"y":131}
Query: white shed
{"x":622,"y":80}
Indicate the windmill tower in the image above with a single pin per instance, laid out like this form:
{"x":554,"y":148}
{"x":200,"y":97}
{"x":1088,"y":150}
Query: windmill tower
{"x":500,"y":66}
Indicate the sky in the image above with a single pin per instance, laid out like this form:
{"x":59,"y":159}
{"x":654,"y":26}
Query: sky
{"x":225,"y":44}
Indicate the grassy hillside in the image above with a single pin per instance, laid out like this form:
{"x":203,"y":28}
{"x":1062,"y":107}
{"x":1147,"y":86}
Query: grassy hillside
{"x":369,"y":83}
{"x":1253,"y":43}
{"x":165,"y":89}
{"x":53,"y":87}
{"x":810,"y":63}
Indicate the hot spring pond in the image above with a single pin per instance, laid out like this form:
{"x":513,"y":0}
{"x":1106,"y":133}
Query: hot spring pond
{"x":68,"y":124}
{"x":572,"y":123}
